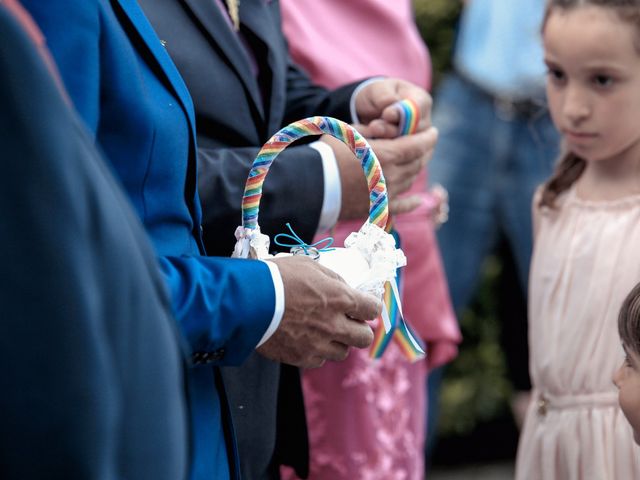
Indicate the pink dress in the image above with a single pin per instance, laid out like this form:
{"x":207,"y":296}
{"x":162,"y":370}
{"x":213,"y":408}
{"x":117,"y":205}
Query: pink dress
{"x":366,"y":418}
{"x":585,"y":261}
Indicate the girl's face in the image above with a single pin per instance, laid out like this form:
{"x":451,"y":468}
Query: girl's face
{"x":593,"y":84}
{"x":627,"y":379}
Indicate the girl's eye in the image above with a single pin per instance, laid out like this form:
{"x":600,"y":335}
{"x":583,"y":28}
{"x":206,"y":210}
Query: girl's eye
{"x":603,"y":80}
{"x":627,"y":361}
{"x":555,"y":75}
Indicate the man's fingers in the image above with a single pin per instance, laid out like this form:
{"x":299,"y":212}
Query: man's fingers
{"x":401,"y":205}
{"x":432,"y":137}
{"x":391,"y":114}
{"x":405,"y":149}
{"x":373,"y":98}
{"x":313,"y":362}
{"x":422,"y":142}
{"x":353,"y":333}
{"x":377,"y":129}
{"x":364,"y":306}
{"x":323,"y":316}
{"x":335,"y":351}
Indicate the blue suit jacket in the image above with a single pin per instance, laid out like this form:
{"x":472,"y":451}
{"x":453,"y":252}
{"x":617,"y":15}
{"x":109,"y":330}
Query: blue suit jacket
{"x":91,"y":376}
{"x":128,"y":91}
{"x":231,"y":128}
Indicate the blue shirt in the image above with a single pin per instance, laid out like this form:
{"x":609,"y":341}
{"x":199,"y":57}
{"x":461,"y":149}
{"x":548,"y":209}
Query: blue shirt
{"x":500,"y":47}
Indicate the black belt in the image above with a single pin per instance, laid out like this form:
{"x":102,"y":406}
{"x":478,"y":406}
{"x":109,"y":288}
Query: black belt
{"x":509,"y":108}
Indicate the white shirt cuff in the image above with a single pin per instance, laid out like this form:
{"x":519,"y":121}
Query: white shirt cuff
{"x":352,"y":103}
{"x":332,"y":199}
{"x":278,"y":312}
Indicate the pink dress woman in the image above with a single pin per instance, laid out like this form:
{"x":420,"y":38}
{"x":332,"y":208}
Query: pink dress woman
{"x":366,"y":417}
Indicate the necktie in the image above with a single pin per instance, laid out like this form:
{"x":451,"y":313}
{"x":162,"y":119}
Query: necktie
{"x":232,"y":8}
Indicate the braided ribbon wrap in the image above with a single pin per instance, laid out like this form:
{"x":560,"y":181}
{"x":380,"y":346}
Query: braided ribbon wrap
{"x":378,"y":202}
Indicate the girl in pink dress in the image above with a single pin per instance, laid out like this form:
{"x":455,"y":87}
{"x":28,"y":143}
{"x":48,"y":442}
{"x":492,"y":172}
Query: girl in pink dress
{"x":366,"y":417}
{"x":586,"y":250}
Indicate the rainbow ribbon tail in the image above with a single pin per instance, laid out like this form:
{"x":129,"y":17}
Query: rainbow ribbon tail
{"x":393,"y":325}
{"x":410,"y":344}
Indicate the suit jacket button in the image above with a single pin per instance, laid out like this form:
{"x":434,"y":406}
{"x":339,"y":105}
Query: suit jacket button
{"x":218,"y":354}
{"x":198,"y":358}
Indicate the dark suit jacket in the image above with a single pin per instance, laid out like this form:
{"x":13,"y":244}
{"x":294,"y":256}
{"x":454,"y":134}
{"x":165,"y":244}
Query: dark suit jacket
{"x":236,"y":112}
{"x":91,"y":376}
{"x":128,"y":91}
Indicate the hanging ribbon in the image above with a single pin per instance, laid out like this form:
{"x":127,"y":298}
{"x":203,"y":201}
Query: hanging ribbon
{"x":378,"y":201}
{"x":392,"y":324}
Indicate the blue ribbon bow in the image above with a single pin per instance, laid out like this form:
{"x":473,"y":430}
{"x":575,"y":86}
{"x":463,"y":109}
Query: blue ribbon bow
{"x":301,"y":243}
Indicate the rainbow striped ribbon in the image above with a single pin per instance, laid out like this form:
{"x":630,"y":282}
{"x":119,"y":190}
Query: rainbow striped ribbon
{"x":378,"y":201}
{"x":399,"y":330}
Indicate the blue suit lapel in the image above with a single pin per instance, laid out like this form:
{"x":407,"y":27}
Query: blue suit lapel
{"x":150,"y":40}
{"x":146,"y":33}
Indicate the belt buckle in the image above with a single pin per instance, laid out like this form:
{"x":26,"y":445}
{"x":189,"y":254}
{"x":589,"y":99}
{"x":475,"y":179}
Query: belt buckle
{"x":542,"y":405}
{"x":505,"y":108}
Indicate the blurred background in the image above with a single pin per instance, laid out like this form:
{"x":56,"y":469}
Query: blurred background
{"x":477,"y":435}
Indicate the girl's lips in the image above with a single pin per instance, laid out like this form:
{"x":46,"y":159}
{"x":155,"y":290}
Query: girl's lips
{"x":578,"y":136}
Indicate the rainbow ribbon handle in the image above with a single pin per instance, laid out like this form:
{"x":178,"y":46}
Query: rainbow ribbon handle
{"x":378,"y":201}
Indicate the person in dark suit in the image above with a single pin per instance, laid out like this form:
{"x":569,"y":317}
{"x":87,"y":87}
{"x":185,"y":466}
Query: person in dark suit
{"x":245,"y":87}
{"x":133,"y":100}
{"x":91,"y":371}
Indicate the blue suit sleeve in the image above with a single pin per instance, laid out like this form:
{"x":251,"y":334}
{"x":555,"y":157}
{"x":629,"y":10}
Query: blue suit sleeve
{"x":204,"y":309}
{"x":223,"y":305}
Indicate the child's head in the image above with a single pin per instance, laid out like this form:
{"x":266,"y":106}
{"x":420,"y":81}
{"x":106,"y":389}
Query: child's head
{"x":627,"y":377}
{"x":592,"y":51}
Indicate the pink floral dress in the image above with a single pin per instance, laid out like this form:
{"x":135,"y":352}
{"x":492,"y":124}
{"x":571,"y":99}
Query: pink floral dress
{"x":366,"y":417}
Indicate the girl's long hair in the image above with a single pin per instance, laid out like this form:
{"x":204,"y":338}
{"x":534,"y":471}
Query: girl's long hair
{"x":567,"y":171}
{"x":570,"y":166}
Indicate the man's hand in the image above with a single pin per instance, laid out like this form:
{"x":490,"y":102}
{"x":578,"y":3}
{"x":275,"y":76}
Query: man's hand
{"x":401,"y":158}
{"x":374,"y":103}
{"x":322,"y":318}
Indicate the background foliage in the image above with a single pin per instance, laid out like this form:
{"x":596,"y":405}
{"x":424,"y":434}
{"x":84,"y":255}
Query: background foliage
{"x":436,"y":21}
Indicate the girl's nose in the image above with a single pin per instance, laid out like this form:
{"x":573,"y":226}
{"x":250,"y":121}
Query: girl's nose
{"x":576,"y":107}
{"x":617,"y":376}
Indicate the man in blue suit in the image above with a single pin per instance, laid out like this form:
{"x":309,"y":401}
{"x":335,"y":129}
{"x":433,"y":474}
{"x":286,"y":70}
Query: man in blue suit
{"x":91,"y":374}
{"x":133,"y":100}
